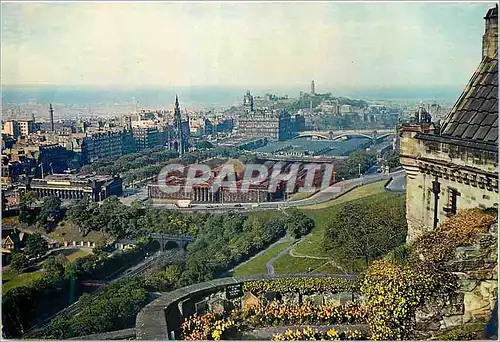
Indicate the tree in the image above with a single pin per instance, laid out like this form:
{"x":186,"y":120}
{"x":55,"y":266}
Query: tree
{"x":50,"y":210}
{"x":298,"y":224}
{"x":29,"y":198}
{"x":392,"y":159}
{"x":56,"y":266}
{"x":18,"y":261}
{"x":367,"y":228}
{"x":36,"y":246}
{"x":26,"y":214}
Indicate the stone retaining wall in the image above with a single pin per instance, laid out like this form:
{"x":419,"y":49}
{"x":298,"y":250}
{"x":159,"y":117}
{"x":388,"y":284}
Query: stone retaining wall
{"x":125,"y":334}
{"x":163,"y":315}
{"x":475,"y":267}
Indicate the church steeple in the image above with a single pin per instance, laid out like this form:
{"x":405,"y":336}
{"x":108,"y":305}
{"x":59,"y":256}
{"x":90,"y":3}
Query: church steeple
{"x":178,"y":127}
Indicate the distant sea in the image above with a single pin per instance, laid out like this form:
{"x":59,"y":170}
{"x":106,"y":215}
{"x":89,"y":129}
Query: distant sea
{"x":201,"y":96}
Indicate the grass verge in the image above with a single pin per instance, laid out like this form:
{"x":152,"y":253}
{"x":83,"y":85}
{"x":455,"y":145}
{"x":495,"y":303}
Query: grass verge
{"x":257,"y":265}
{"x":10,"y":279}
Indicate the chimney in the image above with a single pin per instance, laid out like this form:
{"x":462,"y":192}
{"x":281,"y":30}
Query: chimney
{"x":490,"y":37}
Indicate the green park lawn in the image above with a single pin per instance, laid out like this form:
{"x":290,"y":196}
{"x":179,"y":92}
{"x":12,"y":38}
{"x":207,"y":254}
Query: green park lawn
{"x":66,"y":231}
{"x":74,"y":253}
{"x":258,"y":264}
{"x":359,"y":192}
{"x":288,"y":264}
{"x":313,"y":244}
{"x":301,"y":195}
{"x":10,"y":279}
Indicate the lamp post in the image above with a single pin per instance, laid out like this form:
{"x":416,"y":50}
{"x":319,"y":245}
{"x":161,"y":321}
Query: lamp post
{"x":359,"y":170}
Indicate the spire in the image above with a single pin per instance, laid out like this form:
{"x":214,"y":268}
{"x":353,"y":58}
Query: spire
{"x":178,"y":126}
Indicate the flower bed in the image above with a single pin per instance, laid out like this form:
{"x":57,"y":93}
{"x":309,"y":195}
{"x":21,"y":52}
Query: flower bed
{"x":311,"y":334}
{"x":301,"y":285}
{"x":211,"y":326}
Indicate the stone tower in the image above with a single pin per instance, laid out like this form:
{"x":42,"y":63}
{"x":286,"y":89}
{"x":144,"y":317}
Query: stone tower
{"x":178,"y":127}
{"x":313,"y":90}
{"x":51,"y":114}
{"x":490,"y":37}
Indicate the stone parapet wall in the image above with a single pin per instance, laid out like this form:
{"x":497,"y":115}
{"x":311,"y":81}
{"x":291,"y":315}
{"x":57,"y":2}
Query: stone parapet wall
{"x":157,"y":319}
{"x":476,"y":270}
{"x":125,"y":334}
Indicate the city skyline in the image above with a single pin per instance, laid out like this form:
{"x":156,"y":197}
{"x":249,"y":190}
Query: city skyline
{"x":348,"y":45}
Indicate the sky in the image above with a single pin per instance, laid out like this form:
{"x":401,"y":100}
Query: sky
{"x":348,"y":45}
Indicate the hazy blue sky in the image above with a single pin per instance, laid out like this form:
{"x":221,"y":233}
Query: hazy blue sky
{"x":242,"y":44}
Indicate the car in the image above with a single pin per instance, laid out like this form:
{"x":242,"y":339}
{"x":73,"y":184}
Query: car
{"x":238,"y":205}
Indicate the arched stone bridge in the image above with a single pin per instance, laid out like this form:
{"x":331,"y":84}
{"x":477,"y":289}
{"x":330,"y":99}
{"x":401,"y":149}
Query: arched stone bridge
{"x":337,"y":135}
{"x":171,"y":242}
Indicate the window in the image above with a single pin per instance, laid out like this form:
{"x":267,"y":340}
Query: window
{"x":452,"y":202}
{"x":429,"y":196}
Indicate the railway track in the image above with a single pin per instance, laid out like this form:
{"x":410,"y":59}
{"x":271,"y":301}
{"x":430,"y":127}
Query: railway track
{"x":73,"y":309}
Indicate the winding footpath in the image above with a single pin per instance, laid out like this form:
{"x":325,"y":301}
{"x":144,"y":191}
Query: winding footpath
{"x":269,"y":264}
{"x":397,"y":184}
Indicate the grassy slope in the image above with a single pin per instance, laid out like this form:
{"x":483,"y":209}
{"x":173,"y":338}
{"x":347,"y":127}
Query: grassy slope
{"x":313,"y":244}
{"x":11,"y":280}
{"x":289,"y":264}
{"x":301,"y":195}
{"x":258,"y":264}
{"x":66,"y":231}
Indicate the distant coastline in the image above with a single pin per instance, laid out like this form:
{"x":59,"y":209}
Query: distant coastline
{"x":201,"y":96}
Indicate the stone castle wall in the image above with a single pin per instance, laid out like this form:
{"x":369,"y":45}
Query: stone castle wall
{"x":476,"y":268}
{"x":473,"y":173}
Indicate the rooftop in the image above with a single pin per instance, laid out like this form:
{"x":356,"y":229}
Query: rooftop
{"x":475,"y":115}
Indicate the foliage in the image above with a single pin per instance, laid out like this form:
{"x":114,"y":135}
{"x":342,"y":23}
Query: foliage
{"x":50,"y":210}
{"x":392,"y":293}
{"x":367,"y":228}
{"x":316,"y":335}
{"x":298,"y":224}
{"x":394,"y":287}
{"x":26,"y":212}
{"x":439,"y":245}
{"x":214,"y":326}
{"x":358,"y":161}
{"x":392,"y":160}
{"x":207,"y":327}
{"x":114,"y":309}
{"x":285,"y":314}
{"x":18,"y":261}
{"x":36,"y":246}
{"x":56,"y":266}
{"x":163,"y":279}
{"x":92,"y":266}
{"x":226,"y":240}
{"x":116,"y":219}
{"x":21,"y":304}
{"x":300,"y":285}
{"x":462,"y":333}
